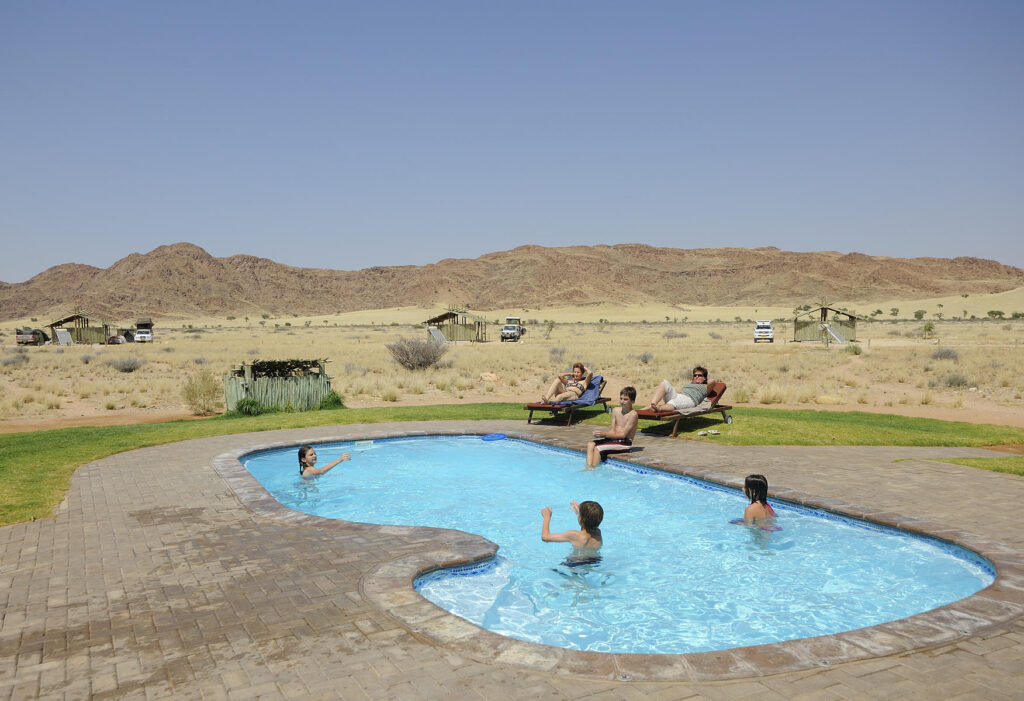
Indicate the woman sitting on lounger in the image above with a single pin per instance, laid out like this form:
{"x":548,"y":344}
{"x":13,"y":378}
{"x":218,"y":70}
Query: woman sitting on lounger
{"x":666,"y":398}
{"x":568,"y":387}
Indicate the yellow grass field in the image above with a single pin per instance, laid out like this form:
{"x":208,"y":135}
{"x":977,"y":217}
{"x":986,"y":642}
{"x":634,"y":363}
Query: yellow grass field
{"x":963,"y":369}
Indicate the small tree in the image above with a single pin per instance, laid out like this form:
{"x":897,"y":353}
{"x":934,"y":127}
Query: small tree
{"x":549,"y":325}
{"x":202,"y":392}
{"x":894,"y":311}
{"x":996,"y":314}
{"x":416,"y":354}
{"x":919,"y":314}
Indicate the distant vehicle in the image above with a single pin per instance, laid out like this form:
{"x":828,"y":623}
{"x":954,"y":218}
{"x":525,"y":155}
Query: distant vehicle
{"x":30,"y":337}
{"x":763,"y":331}
{"x":144,"y":336}
{"x":513,"y":329}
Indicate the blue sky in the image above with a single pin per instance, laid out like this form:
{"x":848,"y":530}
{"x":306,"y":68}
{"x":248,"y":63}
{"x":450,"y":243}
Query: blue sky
{"x":346,"y":135}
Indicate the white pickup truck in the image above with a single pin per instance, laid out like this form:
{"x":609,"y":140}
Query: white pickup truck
{"x":763,"y":331}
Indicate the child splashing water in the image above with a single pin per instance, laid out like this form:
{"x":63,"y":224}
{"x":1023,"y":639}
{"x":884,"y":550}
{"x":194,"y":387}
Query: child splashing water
{"x":586,"y":543}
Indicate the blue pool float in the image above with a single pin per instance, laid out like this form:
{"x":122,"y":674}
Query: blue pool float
{"x":493,"y":437}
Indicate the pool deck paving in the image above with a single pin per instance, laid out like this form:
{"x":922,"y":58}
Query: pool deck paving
{"x":169,"y":572}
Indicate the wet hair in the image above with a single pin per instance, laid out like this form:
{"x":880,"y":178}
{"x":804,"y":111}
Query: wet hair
{"x":580,"y":366}
{"x":629,"y":392}
{"x":303,"y":451}
{"x":756,"y":488}
{"x":703,"y":370}
{"x":591,"y":515}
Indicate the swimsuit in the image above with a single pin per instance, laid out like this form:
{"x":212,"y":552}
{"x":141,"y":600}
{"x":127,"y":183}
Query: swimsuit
{"x":607,"y":446}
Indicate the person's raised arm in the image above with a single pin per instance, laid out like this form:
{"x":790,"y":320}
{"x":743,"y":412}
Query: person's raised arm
{"x":327,"y":468}
{"x":545,"y":530}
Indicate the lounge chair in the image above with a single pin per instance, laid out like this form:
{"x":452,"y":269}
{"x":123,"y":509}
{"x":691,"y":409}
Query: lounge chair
{"x":709,"y":406}
{"x":590,"y":397}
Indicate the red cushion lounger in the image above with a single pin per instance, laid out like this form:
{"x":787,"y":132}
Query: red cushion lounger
{"x":710,"y":405}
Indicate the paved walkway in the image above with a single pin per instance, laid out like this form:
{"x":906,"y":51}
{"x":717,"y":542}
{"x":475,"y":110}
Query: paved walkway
{"x":166,"y":575}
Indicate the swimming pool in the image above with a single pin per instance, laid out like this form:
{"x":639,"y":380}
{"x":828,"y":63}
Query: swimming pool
{"x":675,"y":576}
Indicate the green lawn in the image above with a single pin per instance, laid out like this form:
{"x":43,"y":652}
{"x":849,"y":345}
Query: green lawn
{"x":35,"y":468}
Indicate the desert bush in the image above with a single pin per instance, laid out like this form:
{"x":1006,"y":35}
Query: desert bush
{"x":202,"y":392}
{"x":14,"y":360}
{"x":956,"y":381}
{"x":253,"y":351}
{"x":854,"y":349}
{"x":945,"y":354}
{"x":129,"y":364}
{"x":674,"y":334}
{"x":416,"y":354}
{"x":252,"y":407}
{"x":86,"y":359}
{"x":740,"y":395}
{"x":332,"y":400}
{"x":199,"y":361}
{"x":645,"y":358}
{"x":168,"y":349}
{"x":715,"y":335}
{"x":771,"y":394}
{"x":556,"y":355}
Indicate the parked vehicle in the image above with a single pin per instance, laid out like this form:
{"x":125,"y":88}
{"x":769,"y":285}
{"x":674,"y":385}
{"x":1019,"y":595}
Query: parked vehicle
{"x":30,"y":337}
{"x":763,"y":331}
{"x":513,"y":329}
{"x":144,"y":336}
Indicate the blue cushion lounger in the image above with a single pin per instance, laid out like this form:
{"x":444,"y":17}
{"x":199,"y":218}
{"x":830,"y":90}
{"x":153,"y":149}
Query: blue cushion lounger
{"x":590,"y":397}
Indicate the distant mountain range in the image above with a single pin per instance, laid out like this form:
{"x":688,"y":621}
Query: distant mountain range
{"x":183,"y":280}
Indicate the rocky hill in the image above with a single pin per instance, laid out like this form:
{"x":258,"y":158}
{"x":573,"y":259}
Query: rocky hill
{"x":184,"y":280}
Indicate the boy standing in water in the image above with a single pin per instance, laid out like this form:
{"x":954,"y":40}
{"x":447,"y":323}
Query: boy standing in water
{"x":585,"y":541}
{"x":619,"y":438}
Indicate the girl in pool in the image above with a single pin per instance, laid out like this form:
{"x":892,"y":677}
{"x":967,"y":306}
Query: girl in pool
{"x":307,"y":462}
{"x":755,"y":487}
{"x":587,"y":541}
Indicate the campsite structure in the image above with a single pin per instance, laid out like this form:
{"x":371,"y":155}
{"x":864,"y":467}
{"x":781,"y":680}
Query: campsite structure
{"x":84,"y":328}
{"x":817,"y":325}
{"x":457,"y":324}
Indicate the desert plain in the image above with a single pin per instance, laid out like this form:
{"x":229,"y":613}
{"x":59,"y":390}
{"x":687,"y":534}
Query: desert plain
{"x":968,"y":368}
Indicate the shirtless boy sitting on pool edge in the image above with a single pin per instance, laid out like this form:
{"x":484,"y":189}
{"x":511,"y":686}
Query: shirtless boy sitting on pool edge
{"x":619,"y":437}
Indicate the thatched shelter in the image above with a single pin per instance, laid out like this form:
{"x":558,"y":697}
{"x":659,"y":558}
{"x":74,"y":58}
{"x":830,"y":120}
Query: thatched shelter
{"x":817,"y":325}
{"x":458,"y":324}
{"x":84,"y":328}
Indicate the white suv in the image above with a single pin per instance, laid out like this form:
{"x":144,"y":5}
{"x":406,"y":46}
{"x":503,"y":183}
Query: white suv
{"x":763,"y":331}
{"x":144,"y":336}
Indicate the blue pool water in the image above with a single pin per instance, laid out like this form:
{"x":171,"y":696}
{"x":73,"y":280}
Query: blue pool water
{"x":674,"y":575}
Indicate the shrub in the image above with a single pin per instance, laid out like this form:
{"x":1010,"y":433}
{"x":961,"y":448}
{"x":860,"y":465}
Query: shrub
{"x":252,"y":407}
{"x":557,"y":355}
{"x":772,"y":394}
{"x":15,"y":360}
{"x":674,"y":334}
{"x":129,"y":364}
{"x":85,"y":359}
{"x":715,"y":335}
{"x":199,"y":361}
{"x":645,"y":358}
{"x":956,"y":381}
{"x":332,"y":400}
{"x":416,"y":354}
{"x":202,"y":392}
{"x":854,"y":350}
{"x":945,"y":354}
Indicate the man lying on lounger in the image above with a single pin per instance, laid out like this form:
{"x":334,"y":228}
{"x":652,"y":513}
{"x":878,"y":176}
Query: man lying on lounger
{"x":619,"y":438}
{"x":666,"y":398}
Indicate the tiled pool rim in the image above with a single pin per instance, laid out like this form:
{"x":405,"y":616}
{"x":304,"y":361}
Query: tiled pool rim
{"x":389,"y":587}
